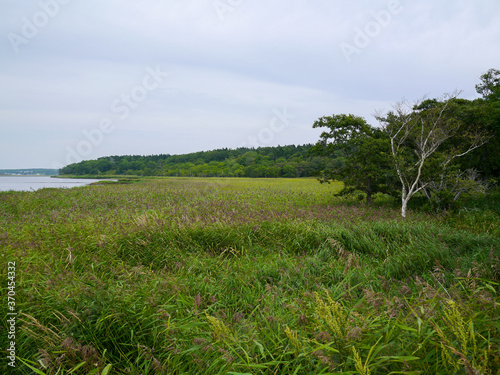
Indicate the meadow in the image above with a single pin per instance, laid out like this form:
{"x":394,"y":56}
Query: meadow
{"x":247,"y":276}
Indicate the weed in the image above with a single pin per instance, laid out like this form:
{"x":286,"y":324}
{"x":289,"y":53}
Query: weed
{"x":263,"y":276}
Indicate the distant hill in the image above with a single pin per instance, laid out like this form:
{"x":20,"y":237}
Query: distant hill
{"x":280,"y":161}
{"x":29,"y":172}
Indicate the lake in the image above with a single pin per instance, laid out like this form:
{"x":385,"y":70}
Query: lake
{"x":31,"y":183}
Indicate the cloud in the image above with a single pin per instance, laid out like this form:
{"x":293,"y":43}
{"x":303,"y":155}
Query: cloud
{"x":228,"y":73}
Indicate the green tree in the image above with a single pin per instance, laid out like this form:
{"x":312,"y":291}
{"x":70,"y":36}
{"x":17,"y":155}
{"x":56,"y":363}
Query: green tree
{"x":489,"y":87}
{"x":104,"y":165}
{"x":123,"y":166}
{"x":486,"y":111}
{"x":426,"y":140}
{"x":361,"y":150}
{"x":288,"y":171}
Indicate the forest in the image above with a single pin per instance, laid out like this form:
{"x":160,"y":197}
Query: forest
{"x":280,"y":161}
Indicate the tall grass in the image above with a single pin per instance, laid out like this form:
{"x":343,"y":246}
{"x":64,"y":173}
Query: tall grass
{"x":242,"y":276}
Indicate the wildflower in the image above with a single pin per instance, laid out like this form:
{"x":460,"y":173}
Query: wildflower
{"x":362,"y":369}
{"x":332,"y":313}
{"x":219,"y":330}
{"x":293,"y":337}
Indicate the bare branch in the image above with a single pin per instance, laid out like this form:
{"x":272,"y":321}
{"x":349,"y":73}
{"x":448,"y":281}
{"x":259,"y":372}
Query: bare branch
{"x":421,"y":130}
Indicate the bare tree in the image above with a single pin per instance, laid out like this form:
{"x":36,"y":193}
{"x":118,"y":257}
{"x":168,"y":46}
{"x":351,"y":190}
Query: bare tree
{"x":425,"y":138}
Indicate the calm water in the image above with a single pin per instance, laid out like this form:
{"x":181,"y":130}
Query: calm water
{"x":30,"y":183}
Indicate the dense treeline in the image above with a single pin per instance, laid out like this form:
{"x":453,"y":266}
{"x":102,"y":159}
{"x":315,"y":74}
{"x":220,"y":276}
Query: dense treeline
{"x":280,"y":161}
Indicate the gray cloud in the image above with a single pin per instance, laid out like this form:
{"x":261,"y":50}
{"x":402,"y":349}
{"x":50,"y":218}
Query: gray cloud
{"x":227,"y":73}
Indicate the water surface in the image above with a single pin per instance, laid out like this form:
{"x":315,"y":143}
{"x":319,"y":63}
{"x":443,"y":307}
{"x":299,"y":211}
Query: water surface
{"x":32,"y":183}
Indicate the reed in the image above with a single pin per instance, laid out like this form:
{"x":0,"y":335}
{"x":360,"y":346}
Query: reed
{"x":243,"y":276}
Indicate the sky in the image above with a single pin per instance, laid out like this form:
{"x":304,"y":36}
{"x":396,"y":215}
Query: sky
{"x":83,"y":79}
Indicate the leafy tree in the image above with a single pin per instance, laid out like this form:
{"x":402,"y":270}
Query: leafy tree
{"x":123,"y":166}
{"x":489,"y":87}
{"x":363,"y":149}
{"x":104,"y":165}
{"x":426,"y":139}
{"x":486,"y":111}
{"x":288,"y":171}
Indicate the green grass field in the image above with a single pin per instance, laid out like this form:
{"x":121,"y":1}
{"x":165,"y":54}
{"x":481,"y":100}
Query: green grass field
{"x":246,"y":276}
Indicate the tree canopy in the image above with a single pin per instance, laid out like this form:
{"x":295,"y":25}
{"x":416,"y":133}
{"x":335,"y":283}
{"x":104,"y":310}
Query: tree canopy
{"x":280,"y":161}
{"x":361,"y":152}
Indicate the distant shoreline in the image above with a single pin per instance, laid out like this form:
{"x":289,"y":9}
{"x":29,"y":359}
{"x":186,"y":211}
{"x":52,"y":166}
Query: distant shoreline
{"x":29,"y":172}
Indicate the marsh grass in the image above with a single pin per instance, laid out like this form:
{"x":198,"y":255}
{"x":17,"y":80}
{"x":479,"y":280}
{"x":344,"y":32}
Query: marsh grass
{"x":243,"y":276}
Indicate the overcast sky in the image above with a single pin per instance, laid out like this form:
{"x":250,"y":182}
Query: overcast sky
{"x":81,"y":79}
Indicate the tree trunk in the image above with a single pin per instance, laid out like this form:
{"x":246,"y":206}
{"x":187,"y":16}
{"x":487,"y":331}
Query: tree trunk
{"x":404,"y":204}
{"x":369,"y":192}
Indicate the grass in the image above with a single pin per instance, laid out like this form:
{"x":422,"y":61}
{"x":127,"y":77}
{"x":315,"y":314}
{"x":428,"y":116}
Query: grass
{"x":246,"y":276}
